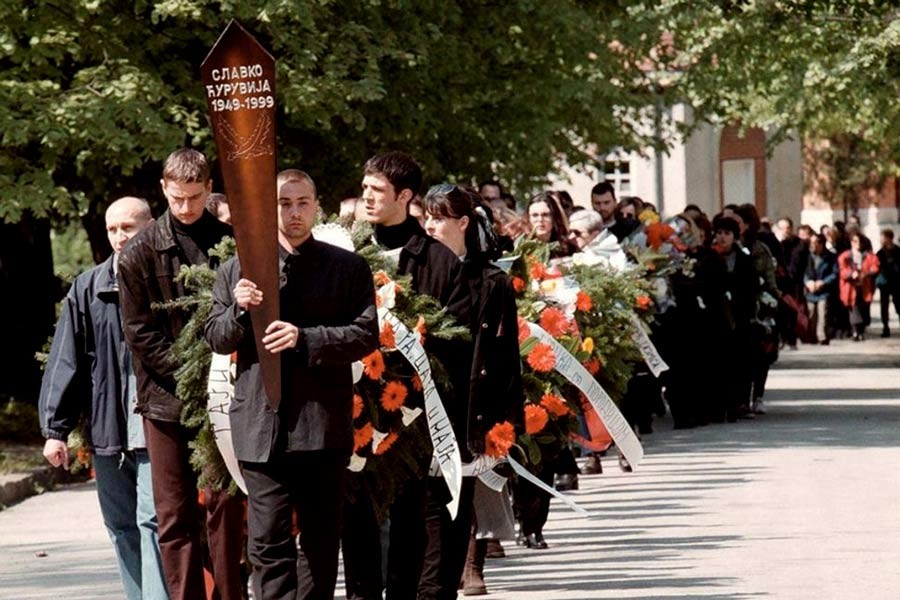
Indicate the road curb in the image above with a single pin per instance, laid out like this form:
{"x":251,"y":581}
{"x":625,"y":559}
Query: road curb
{"x":16,"y":487}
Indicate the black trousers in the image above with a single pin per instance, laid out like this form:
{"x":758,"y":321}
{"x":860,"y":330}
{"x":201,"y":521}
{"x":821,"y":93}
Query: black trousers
{"x":446,"y":539}
{"x":888,"y":293}
{"x":312,"y":484}
{"x":532,"y":504}
{"x":362,"y":546}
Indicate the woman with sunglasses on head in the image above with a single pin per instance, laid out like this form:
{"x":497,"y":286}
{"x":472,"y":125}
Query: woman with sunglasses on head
{"x":486,"y":376}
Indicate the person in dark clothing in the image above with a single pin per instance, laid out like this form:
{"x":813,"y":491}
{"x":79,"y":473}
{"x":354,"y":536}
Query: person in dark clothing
{"x":821,"y":288}
{"x":148,"y":267}
{"x":789,"y":278}
{"x":740,"y":290}
{"x":89,"y":359}
{"x":327,"y":321}
{"x":888,"y":280}
{"x":390,"y":180}
{"x":493,"y":392}
{"x":766,"y":254}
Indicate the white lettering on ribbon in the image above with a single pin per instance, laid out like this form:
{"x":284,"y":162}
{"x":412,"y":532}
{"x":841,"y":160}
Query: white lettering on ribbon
{"x":654,"y":361}
{"x":446,"y":450}
{"x":221,"y":392}
{"x":569,"y":367}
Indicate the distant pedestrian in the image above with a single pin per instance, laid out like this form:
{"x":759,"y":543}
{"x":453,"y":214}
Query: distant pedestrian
{"x":888,"y":280}
{"x":858,"y":268}
{"x":820,"y":282}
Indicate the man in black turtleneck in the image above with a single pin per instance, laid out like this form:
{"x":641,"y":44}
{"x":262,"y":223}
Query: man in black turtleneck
{"x":390,"y":181}
{"x":148,"y":266}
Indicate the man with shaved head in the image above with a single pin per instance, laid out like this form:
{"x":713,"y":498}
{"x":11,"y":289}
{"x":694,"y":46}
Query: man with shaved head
{"x":89,"y":375}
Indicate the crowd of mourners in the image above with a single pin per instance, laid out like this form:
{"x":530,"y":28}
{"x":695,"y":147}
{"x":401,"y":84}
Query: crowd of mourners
{"x":748,"y":290}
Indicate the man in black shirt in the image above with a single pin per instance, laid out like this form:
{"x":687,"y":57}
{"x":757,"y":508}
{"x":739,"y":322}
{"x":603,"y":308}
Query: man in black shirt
{"x":295,"y":458}
{"x":389,"y":182}
{"x":148,"y":266}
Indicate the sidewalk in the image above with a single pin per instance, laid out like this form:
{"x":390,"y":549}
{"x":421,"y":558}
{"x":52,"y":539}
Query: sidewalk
{"x":798,"y":504}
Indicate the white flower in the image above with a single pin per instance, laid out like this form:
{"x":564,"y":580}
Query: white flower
{"x":334,"y":234}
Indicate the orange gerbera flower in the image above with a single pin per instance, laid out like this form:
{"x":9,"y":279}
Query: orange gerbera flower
{"x":658,"y":233}
{"x":417,"y":383}
{"x":499,"y":439}
{"x":536,"y":419}
{"x":524,"y":330}
{"x":583,"y":302}
{"x":541,"y":358}
{"x":393,"y":396}
{"x":357,"y":405}
{"x":593,"y":366}
{"x":536,"y":270}
{"x":642,"y":302}
{"x":373,"y":365}
{"x":381,"y":278}
{"x":554,"y":322}
{"x":421,"y":329}
{"x":386,"y":443}
{"x":387,"y":336}
{"x":518,"y":284}
{"x":362,"y":436}
{"x":555,"y":405}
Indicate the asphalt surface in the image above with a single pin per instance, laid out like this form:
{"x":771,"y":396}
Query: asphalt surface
{"x":799,"y":503}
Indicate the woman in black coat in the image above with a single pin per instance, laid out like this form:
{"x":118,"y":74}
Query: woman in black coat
{"x":486,"y":375}
{"x":740,"y":287}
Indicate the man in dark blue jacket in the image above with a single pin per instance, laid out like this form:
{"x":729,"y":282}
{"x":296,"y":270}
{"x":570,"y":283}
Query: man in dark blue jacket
{"x":821,"y":282}
{"x":89,"y":375}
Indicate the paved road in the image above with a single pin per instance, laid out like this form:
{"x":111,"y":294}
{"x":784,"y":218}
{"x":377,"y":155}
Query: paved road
{"x":801,"y":503}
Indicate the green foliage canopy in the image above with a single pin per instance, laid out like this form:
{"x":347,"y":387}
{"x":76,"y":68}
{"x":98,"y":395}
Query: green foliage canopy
{"x":94,"y":95}
{"x":823,"y":68}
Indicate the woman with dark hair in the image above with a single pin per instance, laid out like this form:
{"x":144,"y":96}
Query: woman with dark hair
{"x":549,"y":223}
{"x":739,"y":288}
{"x":858,"y":267}
{"x":486,"y":375}
{"x":764,"y":345}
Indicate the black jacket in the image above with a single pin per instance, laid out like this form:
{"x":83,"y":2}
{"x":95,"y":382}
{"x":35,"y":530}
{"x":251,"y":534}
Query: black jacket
{"x":435,"y":270}
{"x":86,"y":372}
{"x":147,"y":269}
{"x":329,"y":294}
{"x":495,"y":378}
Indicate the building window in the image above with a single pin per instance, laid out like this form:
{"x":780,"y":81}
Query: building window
{"x":617,"y":170}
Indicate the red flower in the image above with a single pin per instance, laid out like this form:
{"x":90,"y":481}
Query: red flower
{"x":417,"y":383}
{"x":535,"y":419}
{"x":536,"y":270}
{"x":362,"y":436}
{"x":583,"y":302}
{"x":593,"y":366}
{"x":524,"y":330}
{"x":642,"y":302}
{"x":541,"y":358}
{"x":393,"y":396}
{"x":554,"y":322}
{"x":555,"y":405}
{"x":421,"y":329}
{"x":657,"y":234}
{"x":499,"y":439}
{"x":518,"y":284}
{"x":357,"y":405}
{"x":381,"y":278}
{"x":387,"y":336}
{"x":386,"y":443}
{"x":373,"y":366}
